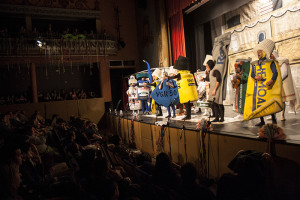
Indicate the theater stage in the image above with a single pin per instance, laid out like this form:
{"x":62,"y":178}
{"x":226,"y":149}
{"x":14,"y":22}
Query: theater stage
{"x":232,"y":125}
{"x":183,"y":143}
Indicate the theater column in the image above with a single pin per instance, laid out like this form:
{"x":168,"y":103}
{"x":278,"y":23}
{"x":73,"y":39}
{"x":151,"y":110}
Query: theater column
{"x":33,"y":83}
{"x":163,"y":34}
{"x":105,"y":85}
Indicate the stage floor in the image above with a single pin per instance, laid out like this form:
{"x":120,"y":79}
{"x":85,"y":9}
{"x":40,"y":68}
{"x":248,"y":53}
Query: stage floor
{"x":231,"y":126}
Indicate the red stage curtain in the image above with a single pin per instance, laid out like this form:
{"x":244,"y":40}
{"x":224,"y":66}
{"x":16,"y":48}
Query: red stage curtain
{"x":175,"y":8}
{"x":177,"y":36}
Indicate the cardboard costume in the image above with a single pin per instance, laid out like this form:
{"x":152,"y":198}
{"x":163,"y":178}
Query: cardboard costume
{"x":261,"y":99}
{"x":185,"y":81}
{"x":155,"y":75}
{"x":240,"y":84}
{"x":220,"y":56}
{"x":289,"y":91}
{"x":218,"y":76}
{"x":169,"y":88}
{"x":201,"y":90}
{"x":167,"y":95}
{"x":202,"y":79}
{"x":143,"y":90}
{"x":134,"y":103}
{"x":186,"y":84}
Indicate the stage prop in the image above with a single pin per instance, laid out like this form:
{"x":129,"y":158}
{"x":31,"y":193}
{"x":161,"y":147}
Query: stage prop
{"x":240,"y":84}
{"x":167,"y":95}
{"x":262,"y":100}
{"x":187,"y":87}
{"x":202,"y":89}
{"x":186,"y":83}
{"x":220,"y":55}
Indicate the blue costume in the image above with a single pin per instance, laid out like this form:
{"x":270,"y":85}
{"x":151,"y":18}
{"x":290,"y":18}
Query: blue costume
{"x":172,"y":85}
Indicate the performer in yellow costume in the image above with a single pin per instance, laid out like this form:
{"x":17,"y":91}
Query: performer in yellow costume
{"x":264,"y":85}
{"x":186,"y":84}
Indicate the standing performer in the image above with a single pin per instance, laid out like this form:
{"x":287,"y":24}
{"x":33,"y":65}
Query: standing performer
{"x":239,"y":83}
{"x":143,"y":91}
{"x":289,"y":94}
{"x":218,"y":75}
{"x":264,"y":72}
{"x":134,"y":103}
{"x":215,"y":77}
{"x":186,"y":84}
{"x":206,"y":79}
{"x":170,"y":84}
{"x":155,"y":75}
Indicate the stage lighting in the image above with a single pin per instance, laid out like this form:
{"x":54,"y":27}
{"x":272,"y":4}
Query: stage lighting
{"x":39,"y":43}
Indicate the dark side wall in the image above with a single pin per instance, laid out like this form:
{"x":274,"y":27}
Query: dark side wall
{"x":15,"y":79}
{"x":147,"y":33}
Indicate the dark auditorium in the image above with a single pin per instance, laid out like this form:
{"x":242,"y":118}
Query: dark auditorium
{"x":150,"y":100}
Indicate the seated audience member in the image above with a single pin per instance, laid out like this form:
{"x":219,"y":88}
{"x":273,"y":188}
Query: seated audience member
{"x":40,"y":96}
{"x":5,"y":123}
{"x":144,"y":162}
{"x":47,"y":97}
{"x":15,"y":121}
{"x":74,"y":95}
{"x":22,"y":117}
{"x":53,"y":120}
{"x":91,"y":131}
{"x":164,"y":174}
{"x":118,"y":148}
{"x":53,"y":95}
{"x":92,"y":95}
{"x":248,"y":182}
{"x":59,"y":97}
{"x":98,"y":184}
{"x":11,"y":159}
{"x":2,"y":100}
{"x":190,"y":189}
{"x":32,"y":172}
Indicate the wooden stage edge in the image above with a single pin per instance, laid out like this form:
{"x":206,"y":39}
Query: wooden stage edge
{"x":182,"y":145}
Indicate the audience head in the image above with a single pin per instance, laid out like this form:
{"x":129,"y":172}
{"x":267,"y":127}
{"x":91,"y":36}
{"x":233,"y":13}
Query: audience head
{"x":116,"y":140}
{"x":163,"y":162}
{"x":188,"y":173}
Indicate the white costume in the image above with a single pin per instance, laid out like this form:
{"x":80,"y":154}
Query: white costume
{"x":134,"y":103}
{"x":289,"y":92}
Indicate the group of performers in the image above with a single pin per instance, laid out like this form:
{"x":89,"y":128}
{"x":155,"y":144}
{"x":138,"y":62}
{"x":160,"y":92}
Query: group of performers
{"x":261,"y":87}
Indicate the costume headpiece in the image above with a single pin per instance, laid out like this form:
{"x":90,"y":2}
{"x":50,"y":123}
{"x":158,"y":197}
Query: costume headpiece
{"x":207,"y":58}
{"x":182,"y":63}
{"x":157,"y":72}
{"x":132,"y":80}
{"x":266,"y":46}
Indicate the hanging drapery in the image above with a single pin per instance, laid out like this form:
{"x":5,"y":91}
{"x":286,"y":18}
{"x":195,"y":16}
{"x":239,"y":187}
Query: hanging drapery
{"x":177,"y":36}
{"x":175,"y":8}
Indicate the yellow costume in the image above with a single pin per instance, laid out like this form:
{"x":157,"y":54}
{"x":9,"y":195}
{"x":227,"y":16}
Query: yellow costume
{"x":262,"y":100}
{"x":187,"y":87}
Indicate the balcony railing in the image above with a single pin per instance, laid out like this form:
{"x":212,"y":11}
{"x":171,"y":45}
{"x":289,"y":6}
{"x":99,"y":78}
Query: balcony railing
{"x":53,"y":45}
